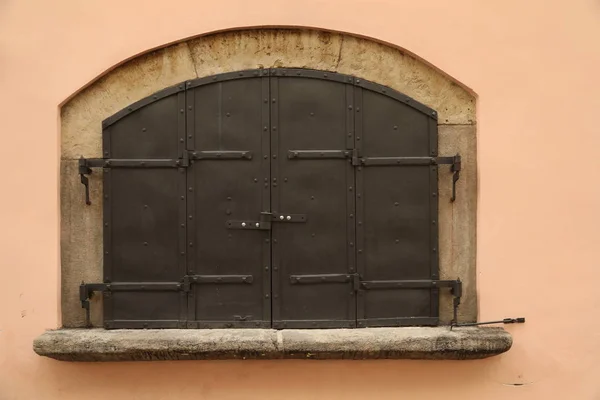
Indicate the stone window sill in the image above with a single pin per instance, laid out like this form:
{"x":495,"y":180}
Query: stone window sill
{"x":438,"y":343}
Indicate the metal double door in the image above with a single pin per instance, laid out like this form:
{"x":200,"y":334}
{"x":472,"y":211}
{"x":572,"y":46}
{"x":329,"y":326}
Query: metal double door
{"x":269,"y":218}
{"x":285,"y":222}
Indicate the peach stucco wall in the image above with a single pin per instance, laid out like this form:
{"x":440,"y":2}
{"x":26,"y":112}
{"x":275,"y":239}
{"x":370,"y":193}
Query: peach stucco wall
{"x":535,"y":68}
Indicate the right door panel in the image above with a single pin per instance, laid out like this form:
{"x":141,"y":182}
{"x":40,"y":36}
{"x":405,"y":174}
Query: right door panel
{"x":396,"y":209}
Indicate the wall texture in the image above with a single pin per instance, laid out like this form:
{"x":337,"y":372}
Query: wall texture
{"x":81,"y":135}
{"x":534,"y":66}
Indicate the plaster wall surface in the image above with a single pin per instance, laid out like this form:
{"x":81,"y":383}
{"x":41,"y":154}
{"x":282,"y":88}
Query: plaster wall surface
{"x":534,"y":66}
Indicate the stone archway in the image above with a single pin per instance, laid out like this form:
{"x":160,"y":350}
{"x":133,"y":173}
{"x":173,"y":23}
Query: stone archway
{"x":82,"y":115}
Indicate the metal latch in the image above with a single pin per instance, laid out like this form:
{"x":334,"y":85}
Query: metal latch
{"x":266,"y":218}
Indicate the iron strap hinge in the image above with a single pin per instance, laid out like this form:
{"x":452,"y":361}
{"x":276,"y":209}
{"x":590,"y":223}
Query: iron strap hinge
{"x":358,"y":284}
{"x":86,"y":164}
{"x":86,"y":290}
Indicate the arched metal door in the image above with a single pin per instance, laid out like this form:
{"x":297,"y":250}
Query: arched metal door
{"x":283,"y":197}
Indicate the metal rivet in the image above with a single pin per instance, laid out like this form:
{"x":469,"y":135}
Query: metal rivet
{"x":273,"y":101}
{"x":191,"y":244}
{"x":288,"y":217}
{"x":350,"y":188}
{"x":395,"y":127}
{"x":281,"y":217}
{"x":243,"y":224}
{"x":257,"y":225}
{"x":143,"y":129}
{"x":181,"y":140}
{"x":190,"y":217}
{"x":181,"y":110}
{"x":189,"y":136}
{"x":145,"y":243}
{"x":227,"y":114}
{"x":350,"y":107}
{"x":190,"y":189}
{"x":396,"y":204}
{"x":351,"y":215}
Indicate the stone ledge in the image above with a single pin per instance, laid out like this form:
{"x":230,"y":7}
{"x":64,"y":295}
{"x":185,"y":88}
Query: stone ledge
{"x":439,"y":343}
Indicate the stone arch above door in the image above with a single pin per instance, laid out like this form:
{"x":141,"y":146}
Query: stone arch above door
{"x":82,"y":116}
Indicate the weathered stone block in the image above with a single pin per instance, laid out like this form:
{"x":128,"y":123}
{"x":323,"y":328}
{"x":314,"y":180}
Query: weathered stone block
{"x":216,"y":344}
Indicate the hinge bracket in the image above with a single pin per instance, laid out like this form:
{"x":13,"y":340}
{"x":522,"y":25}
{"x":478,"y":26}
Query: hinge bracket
{"x":455,"y":167}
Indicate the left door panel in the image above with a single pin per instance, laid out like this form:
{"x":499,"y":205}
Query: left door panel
{"x":143,"y":213}
{"x":229,"y":256}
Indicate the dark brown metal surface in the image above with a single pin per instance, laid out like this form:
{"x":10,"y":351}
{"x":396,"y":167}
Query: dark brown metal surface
{"x":142,"y":214}
{"x":226,"y":178}
{"x":287,"y":198}
{"x":310,"y":175}
{"x":396,"y":210}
